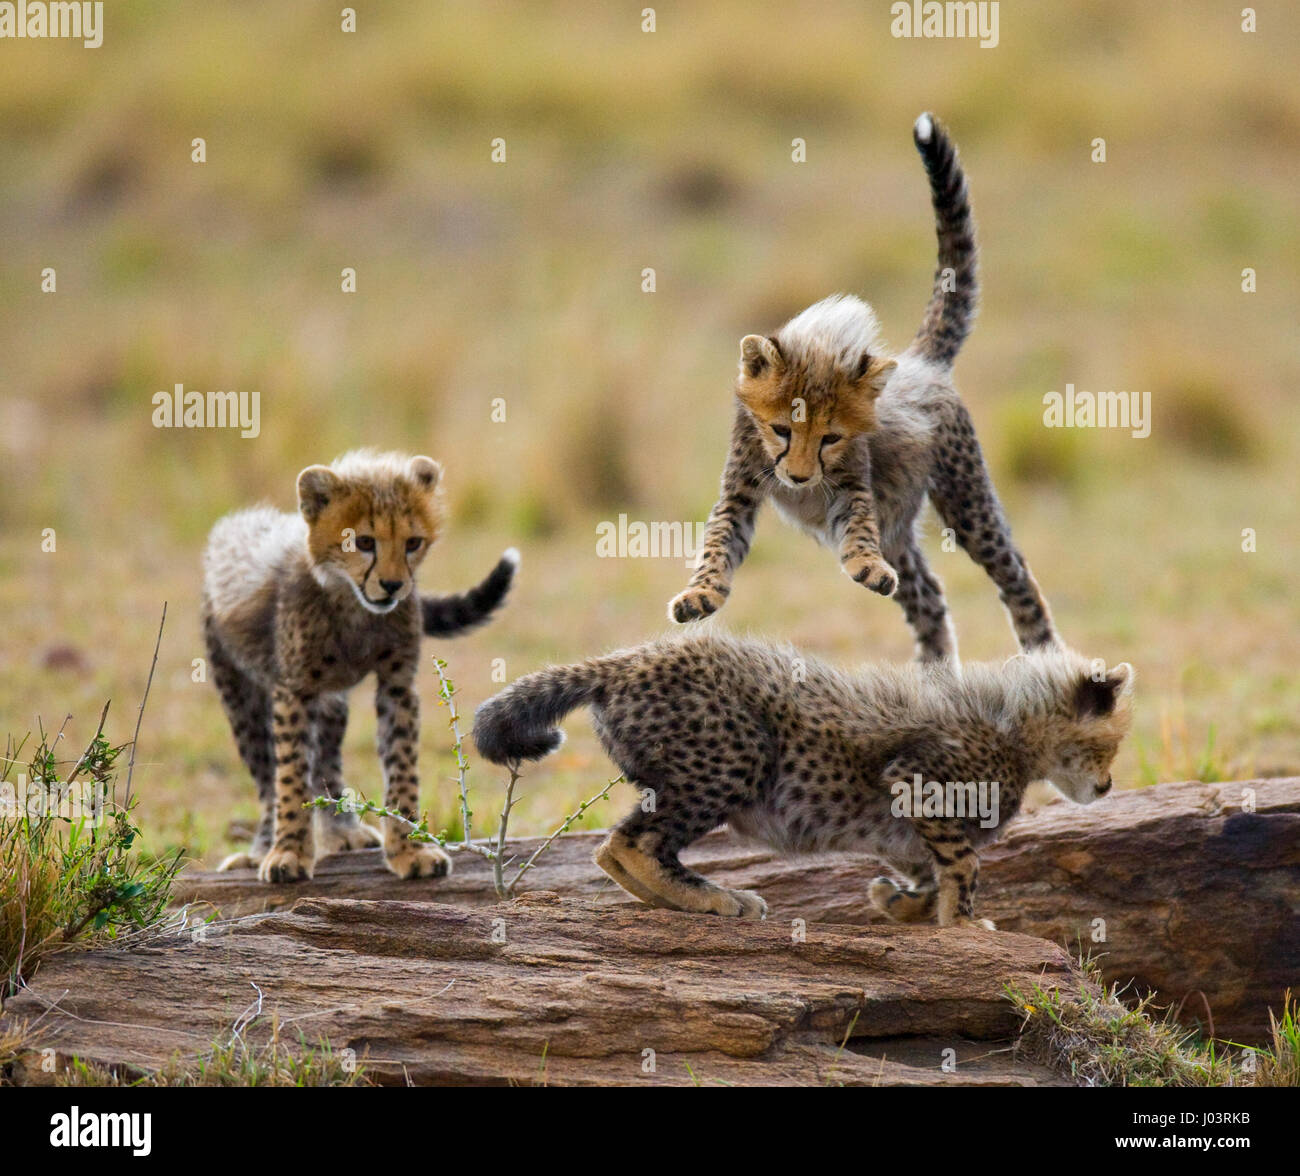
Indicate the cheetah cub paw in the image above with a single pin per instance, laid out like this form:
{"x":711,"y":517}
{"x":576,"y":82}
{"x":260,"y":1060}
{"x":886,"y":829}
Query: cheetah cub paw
{"x":739,"y":904}
{"x":880,"y":892}
{"x":419,"y":861}
{"x":970,"y":921}
{"x":340,"y":837}
{"x":898,"y":904}
{"x":285,"y":865}
{"x":872,"y":572}
{"x":695,"y":603}
{"x":239,"y":861}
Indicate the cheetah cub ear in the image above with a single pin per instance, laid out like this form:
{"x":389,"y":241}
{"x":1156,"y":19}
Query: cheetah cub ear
{"x":871,"y":373}
{"x":316,"y":486}
{"x":424,"y":472}
{"x":760,"y":357}
{"x":1097,"y":699}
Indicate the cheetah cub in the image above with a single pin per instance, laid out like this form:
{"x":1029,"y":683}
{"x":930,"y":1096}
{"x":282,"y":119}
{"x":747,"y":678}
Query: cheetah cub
{"x":297,"y":609}
{"x":917,"y":765}
{"x":848,"y":442}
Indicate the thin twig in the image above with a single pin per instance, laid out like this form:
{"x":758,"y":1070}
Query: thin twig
{"x":564,"y":828}
{"x":62,"y":727}
{"x":81,"y":763}
{"x":498,"y":862}
{"x":482,"y":847}
{"x":446,"y":691}
{"x":130,"y":767}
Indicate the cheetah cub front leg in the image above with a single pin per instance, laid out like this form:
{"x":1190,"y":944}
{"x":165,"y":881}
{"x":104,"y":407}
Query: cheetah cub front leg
{"x":859,"y":540}
{"x":957,"y":868}
{"x":293,"y":850}
{"x":398,"y":708}
{"x":727,"y":536}
{"x":336,"y":831}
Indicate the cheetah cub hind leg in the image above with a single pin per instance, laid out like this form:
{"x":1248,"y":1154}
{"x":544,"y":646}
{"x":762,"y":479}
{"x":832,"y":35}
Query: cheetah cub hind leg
{"x":608,"y":861}
{"x":670,"y":884}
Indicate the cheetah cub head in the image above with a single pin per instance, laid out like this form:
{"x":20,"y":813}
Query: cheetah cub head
{"x":1092,"y":714}
{"x":371,"y":519}
{"x":811,"y":388}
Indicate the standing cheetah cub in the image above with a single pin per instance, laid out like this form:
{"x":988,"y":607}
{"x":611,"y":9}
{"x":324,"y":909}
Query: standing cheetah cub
{"x":918,"y":765}
{"x":297,"y":609}
{"x":848,"y":442}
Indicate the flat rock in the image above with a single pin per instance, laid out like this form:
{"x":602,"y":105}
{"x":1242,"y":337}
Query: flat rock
{"x":558,"y":991}
{"x":1190,"y":890}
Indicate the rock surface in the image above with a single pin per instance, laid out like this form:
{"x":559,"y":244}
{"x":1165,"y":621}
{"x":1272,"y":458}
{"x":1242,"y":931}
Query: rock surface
{"x":559,"y":991}
{"x":1199,"y":898}
{"x":574,"y":983}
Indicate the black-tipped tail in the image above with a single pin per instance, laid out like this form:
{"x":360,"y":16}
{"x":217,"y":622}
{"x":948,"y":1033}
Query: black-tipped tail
{"x":449,"y":616}
{"x":520,"y":722}
{"x":951,"y":312}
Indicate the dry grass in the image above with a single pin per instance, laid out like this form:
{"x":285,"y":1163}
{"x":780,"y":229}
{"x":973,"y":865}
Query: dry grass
{"x":236,"y":1062}
{"x":522,"y":280}
{"x":16,"y":1038}
{"x":1100,"y":1040}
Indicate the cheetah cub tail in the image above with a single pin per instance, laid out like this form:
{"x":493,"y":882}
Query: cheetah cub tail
{"x":951,"y":311}
{"x":520,"y":722}
{"x":459,"y":612}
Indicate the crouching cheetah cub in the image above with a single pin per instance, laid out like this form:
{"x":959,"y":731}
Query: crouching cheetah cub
{"x":918,"y":765}
{"x":297,"y":609}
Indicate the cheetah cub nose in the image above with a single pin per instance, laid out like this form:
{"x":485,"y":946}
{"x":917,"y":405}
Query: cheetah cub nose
{"x":390,"y":586}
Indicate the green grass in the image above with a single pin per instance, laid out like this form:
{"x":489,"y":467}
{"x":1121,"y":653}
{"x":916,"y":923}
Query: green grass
{"x":1098,"y":1039}
{"x":1280,"y":1066}
{"x":522,"y":281}
{"x":70,"y":875}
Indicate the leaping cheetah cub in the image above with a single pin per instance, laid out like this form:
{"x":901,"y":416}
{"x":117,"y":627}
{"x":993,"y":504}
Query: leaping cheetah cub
{"x":848,"y":442}
{"x":918,"y":765}
{"x":297,"y":609}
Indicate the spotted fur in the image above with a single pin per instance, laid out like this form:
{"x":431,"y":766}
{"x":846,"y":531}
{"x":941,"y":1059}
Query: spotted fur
{"x":802,"y":756}
{"x":297,"y":609}
{"x":848,"y":443}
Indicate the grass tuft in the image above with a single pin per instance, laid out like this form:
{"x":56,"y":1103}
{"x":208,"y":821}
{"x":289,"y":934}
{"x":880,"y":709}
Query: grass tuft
{"x":70,"y":868}
{"x":1099,"y":1040}
{"x":236,"y":1063}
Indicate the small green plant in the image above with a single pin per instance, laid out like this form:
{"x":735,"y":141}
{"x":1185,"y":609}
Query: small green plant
{"x":492,"y":848}
{"x":1279,"y":1066}
{"x":70,"y":867}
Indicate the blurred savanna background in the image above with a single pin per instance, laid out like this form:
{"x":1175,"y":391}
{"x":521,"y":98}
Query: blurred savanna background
{"x":523,"y":281}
